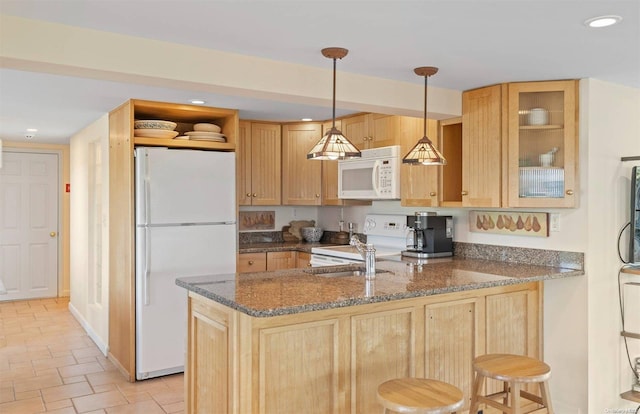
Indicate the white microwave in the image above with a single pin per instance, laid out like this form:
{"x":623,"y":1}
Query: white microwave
{"x":374,"y":176}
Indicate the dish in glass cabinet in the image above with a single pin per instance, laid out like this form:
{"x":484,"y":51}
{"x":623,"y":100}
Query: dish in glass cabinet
{"x":155,"y":133}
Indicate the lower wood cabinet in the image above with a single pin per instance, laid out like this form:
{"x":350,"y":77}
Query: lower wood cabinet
{"x":268,"y":261}
{"x":332,"y":361}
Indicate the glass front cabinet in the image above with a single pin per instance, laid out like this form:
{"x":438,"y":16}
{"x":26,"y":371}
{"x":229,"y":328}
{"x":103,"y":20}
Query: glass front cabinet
{"x":542,"y":144}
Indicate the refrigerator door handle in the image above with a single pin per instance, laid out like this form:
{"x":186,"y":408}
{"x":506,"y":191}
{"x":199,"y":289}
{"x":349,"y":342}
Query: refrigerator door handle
{"x":147,"y":268}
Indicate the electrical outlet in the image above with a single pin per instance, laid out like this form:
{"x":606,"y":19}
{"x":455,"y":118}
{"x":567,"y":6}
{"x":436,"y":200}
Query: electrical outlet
{"x":554,"y":222}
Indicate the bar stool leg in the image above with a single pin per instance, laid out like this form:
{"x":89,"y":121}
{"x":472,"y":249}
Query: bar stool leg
{"x":515,"y":395}
{"x":505,"y":389}
{"x":477,"y":385}
{"x":544,"y":394}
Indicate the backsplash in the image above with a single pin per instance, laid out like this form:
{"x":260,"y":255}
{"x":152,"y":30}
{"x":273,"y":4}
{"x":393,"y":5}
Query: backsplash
{"x":570,"y":260}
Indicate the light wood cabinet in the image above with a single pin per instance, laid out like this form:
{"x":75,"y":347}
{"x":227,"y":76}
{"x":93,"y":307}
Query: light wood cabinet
{"x":259,"y":164}
{"x":121,"y":210}
{"x":301,"y":177}
{"x":303,"y":259}
{"x":333,"y":360}
{"x":281,"y":260}
{"x":267,"y":261}
{"x":482,"y":146}
{"x":371,"y":130}
{"x":451,"y":174}
{"x":251,"y":262}
{"x":418,"y":183}
{"x":543,"y":119}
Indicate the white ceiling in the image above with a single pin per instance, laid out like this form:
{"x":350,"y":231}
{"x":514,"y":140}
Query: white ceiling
{"x":474,"y":43}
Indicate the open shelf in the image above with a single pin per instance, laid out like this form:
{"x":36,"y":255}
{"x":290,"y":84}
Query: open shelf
{"x":184,"y":143}
{"x":631,"y":396}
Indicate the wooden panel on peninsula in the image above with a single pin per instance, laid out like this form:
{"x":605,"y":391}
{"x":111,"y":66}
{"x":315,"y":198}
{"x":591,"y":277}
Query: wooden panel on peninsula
{"x":332,"y":360}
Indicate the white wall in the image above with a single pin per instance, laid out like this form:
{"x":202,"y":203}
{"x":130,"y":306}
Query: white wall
{"x":582,"y":322}
{"x":611,"y":116}
{"x":91,"y":312}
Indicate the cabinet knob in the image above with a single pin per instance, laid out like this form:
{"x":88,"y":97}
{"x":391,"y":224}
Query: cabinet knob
{"x":569,"y":192}
{"x":464,"y":193}
{"x":317,"y":195}
{"x":250,"y":262}
{"x":432,"y":194}
{"x":254,"y":195}
{"x":52,"y":234}
{"x":248,"y":194}
{"x":308,"y":264}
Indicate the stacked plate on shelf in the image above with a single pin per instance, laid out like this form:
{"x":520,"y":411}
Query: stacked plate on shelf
{"x":151,"y":128}
{"x":205,"y":132}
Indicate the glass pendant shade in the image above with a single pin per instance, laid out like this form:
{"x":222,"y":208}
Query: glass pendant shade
{"x":333,"y":145}
{"x":424,"y":152}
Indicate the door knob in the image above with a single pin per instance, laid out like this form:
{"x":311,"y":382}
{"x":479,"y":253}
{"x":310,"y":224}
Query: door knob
{"x":52,"y":234}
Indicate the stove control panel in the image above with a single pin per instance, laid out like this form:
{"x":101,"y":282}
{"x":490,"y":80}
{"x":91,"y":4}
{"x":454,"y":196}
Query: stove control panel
{"x":389,"y":225}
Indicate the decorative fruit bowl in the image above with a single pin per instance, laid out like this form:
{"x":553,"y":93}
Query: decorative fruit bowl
{"x":311,"y":234}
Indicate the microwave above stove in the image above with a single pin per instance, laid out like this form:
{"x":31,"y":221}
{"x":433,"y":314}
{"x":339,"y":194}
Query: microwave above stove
{"x":374,"y":176}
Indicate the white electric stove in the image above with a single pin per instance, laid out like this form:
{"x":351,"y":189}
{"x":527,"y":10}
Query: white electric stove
{"x":387,"y":233}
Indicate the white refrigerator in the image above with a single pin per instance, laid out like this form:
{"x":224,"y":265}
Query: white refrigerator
{"x":185,"y":226}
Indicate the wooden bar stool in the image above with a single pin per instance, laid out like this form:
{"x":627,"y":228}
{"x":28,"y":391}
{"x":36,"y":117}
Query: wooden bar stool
{"x":419,"y":396}
{"x":513,"y":370}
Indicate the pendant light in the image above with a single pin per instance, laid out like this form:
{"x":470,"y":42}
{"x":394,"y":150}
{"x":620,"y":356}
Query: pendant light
{"x":424,"y":152}
{"x":333,"y":145}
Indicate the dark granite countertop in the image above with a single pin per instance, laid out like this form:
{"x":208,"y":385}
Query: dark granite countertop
{"x":283,"y":292}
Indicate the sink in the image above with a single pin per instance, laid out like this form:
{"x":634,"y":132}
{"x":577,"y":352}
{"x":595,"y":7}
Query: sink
{"x":340,"y":272}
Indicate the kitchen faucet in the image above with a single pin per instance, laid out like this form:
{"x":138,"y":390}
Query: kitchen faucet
{"x":368,"y":253}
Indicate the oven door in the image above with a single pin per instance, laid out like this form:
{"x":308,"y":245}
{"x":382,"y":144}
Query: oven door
{"x":318,"y":260}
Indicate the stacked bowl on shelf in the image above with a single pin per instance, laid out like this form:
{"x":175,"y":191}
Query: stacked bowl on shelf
{"x":205,"y":132}
{"x":150,"y":128}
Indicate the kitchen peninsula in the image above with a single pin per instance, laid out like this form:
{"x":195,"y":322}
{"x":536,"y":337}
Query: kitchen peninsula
{"x":320,"y":340}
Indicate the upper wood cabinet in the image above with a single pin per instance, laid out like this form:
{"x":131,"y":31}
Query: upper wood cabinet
{"x":482,"y":146}
{"x":418,"y":183}
{"x":451,"y":174}
{"x":301,"y":177}
{"x":259,"y":162}
{"x":371,"y":130}
{"x":543,"y":142}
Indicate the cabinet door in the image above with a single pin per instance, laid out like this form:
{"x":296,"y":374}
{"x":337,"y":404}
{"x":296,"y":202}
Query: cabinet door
{"x":452,"y":340}
{"x":543,"y":144}
{"x":356,"y":130}
{"x":266,"y":156}
{"x":388,"y":336}
{"x":482,"y":147}
{"x":208,"y":354}
{"x":298,"y":368}
{"x":251,"y":262}
{"x":383,"y":130}
{"x":301,"y":178}
{"x":451,"y":174}
{"x":303,"y":259}
{"x":418,"y":183}
{"x":243,"y":164}
{"x":513,"y":325}
{"x":281,"y":260}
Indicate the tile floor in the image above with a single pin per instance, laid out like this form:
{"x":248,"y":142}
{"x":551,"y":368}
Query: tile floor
{"x":49,"y":364}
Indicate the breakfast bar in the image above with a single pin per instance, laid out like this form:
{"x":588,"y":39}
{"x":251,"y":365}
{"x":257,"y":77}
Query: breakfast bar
{"x":320,"y":340}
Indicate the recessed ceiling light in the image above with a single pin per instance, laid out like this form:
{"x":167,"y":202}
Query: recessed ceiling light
{"x":197,"y":101}
{"x":602,"y":21}
{"x":32,"y":130}
{"x":306,"y":119}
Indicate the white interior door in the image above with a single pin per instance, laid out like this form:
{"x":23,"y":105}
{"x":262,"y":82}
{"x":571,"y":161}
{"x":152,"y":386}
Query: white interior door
{"x":28,"y":225}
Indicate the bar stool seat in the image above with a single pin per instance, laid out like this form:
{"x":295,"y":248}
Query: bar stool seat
{"x":513,"y":370}
{"x":419,"y":396}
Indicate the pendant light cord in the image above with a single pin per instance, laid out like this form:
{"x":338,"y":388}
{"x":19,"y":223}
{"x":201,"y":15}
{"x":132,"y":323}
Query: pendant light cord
{"x":424,"y":125}
{"x":333,"y":125}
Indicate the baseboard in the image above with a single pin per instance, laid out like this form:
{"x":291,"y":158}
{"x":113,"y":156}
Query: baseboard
{"x":104,"y":348}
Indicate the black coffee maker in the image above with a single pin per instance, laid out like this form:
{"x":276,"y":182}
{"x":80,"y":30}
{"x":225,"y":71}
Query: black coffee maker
{"x":429,"y":235}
